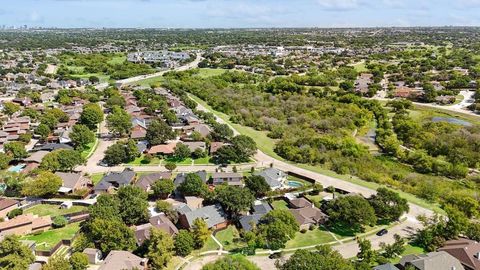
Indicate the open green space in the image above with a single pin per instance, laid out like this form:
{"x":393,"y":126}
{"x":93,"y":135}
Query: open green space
{"x":310,"y":238}
{"x":267,"y":145}
{"x":141,"y":160}
{"x":47,"y":240}
{"x":360,"y":66}
{"x":279,"y":204}
{"x":227,"y":238}
{"x":150,"y":81}
{"x":117,"y":59}
{"x":210,"y":72}
{"x":53,"y":210}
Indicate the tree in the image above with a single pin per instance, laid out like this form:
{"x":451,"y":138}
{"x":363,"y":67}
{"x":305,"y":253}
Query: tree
{"x":9,"y":108}
{"x":4,"y":161}
{"x":62,"y":160}
{"x":367,"y":255}
{"x":388,"y":205}
{"x":171,"y":166}
{"x":57,"y":262}
{"x":351,"y":211}
{"x":234,"y":199}
{"x":200,"y":232}
{"x":107,"y":207}
{"x":159,"y":248}
{"x":115,"y":154}
{"x":44,"y":185}
{"x":393,"y":250}
{"x":158,"y":132}
{"x":324,"y":258}
{"x":193,"y":186}
{"x":110,"y":234}
{"x":81,"y":136}
{"x":91,"y":115}
{"x":181,"y":151}
{"x":257,"y":185}
{"x":468,"y":205}
{"x":163,"y":188}
{"x":119,"y":122}
{"x":94,"y":79}
{"x":231,"y":262}
{"x":167,"y":209}
{"x":184,"y":243}
{"x":222,"y":132}
{"x":133,"y":204}
{"x":43,"y":130}
{"x":276,"y":228}
{"x":79,"y":261}
{"x":245,"y":146}
{"x":49,"y":120}
{"x":14,"y":255}
{"x":16,"y":150}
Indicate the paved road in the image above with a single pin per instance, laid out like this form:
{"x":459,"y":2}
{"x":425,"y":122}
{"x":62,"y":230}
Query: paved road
{"x":190,"y":65}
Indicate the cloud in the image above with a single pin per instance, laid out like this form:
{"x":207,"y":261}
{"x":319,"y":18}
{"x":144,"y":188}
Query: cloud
{"x":339,"y":5}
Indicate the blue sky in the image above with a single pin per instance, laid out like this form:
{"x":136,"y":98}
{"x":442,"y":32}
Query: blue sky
{"x":239,"y":13}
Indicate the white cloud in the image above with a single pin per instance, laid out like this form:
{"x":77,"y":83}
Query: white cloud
{"x":339,"y":5}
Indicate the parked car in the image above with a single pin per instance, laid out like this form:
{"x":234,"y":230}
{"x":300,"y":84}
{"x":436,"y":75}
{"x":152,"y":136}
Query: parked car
{"x":382,"y":232}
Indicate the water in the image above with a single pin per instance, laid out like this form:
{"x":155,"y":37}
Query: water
{"x":294,"y":184}
{"x":17,"y":168}
{"x":452,"y":121}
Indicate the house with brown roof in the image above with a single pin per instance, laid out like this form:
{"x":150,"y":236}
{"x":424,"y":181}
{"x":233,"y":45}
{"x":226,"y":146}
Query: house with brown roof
{"x":146,"y":181}
{"x":123,"y":260}
{"x":73,"y":182}
{"x":25,"y":224}
{"x":195,"y":145}
{"x":214,"y":146}
{"x":465,"y":250}
{"x":230,"y":178}
{"x":163,"y":149}
{"x":308,"y":216}
{"x":7,"y":205}
{"x":298,"y":203}
{"x":161,"y":222}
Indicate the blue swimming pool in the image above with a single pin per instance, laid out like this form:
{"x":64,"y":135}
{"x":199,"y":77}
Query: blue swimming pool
{"x":294,"y":184}
{"x":17,"y":168}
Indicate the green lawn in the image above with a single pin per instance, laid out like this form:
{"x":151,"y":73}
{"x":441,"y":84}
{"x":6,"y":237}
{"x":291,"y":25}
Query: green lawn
{"x":279,"y":204}
{"x":210,"y":72}
{"x":209,"y":245}
{"x":226,"y":238}
{"x":88,"y":151}
{"x":101,"y":77}
{"x":96,"y":178}
{"x":267,"y":145}
{"x":360,"y":66}
{"x":315,"y":198}
{"x":409,"y":249}
{"x":118,"y":59}
{"x":310,"y":238}
{"x":187,"y":161}
{"x":141,"y":161}
{"x":53,"y":210}
{"x":48,"y":239}
{"x":202,"y":161}
{"x":150,"y":81}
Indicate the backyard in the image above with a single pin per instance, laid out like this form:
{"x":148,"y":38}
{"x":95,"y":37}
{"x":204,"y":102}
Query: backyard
{"x":47,"y":240}
{"x":310,"y":238}
{"x":53,"y":210}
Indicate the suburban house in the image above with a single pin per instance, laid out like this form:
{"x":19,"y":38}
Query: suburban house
{"x":297,"y":203}
{"x":214,"y":146}
{"x":146,"y":181}
{"x":7,"y":205}
{"x":231,"y":179}
{"x":163,"y":149}
{"x":194,"y":202}
{"x":114,"y":180}
{"x":213,"y":215}
{"x":139,"y":128}
{"x":123,"y":260}
{"x":73,"y":182}
{"x":259,"y":210}
{"x":465,"y":250}
{"x":25,"y":224}
{"x":308,"y":216}
{"x":387,"y":266}
{"x":180,"y":178}
{"x":274,"y":177}
{"x":431,"y":261}
{"x":94,"y":255}
{"x":161,"y":222}
{"x":195,"y":145}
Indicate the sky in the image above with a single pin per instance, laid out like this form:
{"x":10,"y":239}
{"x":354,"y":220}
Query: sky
{"x":238,"y":13}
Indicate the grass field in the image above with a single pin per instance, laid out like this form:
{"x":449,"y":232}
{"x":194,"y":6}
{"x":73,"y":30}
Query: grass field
{"x":101,"y":77}
{"x":141,"y":161}
{"x":279,"y":204}
{"x":53,"y":210}
{"x":48,"y":239}
{"x":209,"y":72}
{"x":118,"y":59}
{"x":226,"y":238}
{"x":267,"y":145}
{"x":360,"y":66}
{"x":310,"y":238}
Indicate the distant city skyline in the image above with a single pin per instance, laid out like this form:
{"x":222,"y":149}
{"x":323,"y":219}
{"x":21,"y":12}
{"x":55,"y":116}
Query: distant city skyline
{"x":238,"y":14}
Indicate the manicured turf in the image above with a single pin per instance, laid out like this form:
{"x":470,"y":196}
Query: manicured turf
{"x":101,"y":77}
{"x":96,"y":177}
{"x":53,"y":210}
{"x":141,"y":161}
{"x":209,"y":245}
{"x":360,"y":67}
{"x":279,"y":204}
{"x":150,"y":81}
{"x":210,"y":72}
{"x":409,"y":249}
{"x":315,"y":198}
{"x":310,"y":238}
{"x":202,"y":161}
{"x":226,"y":238}
{"x":88,"y":151}
{"x":48,"y":239}
{"x":116,"y":60}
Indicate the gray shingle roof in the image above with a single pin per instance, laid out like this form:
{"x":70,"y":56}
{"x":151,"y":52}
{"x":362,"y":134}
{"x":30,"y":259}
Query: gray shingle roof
{"x":272,"y":176}
{"x":212,"y":214}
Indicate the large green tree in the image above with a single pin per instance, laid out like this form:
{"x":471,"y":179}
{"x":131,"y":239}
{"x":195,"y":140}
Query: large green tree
{"x":44,"y":185}
{"x":133,"y":204}
{"x":388,"y":205}
{"x":184,"y":243}
{"x":110,"y":234}
{"x":81,"y":136}
{"x":14,"y":255}
{"x":257,"y":185}
{"x":91,"y":115}
{"x":119,"y":122}
{"x":234,"y":199}
{"x":16,"y":150}
{"x":324,"y":258}
{"x":193,"y":186}
{"x":158,"y":132}
{"x":160,"y":248}
{"x":163,"y":188}
{"x":276,"y":228}
{"x":231,"y":262}
{"x":354,"y":212}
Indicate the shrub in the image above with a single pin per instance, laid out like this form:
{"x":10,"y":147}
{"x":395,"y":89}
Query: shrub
{"x":312,"y":227}
{"x":14,"y":213}
{"x":303,"y":230}
{"x":59,"y":222}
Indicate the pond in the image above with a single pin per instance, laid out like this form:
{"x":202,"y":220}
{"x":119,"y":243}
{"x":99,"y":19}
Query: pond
{"x":452,"y":121}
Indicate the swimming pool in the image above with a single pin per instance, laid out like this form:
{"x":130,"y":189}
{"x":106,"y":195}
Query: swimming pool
{"x":17,"y":168}
{"x":294,"y":184}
